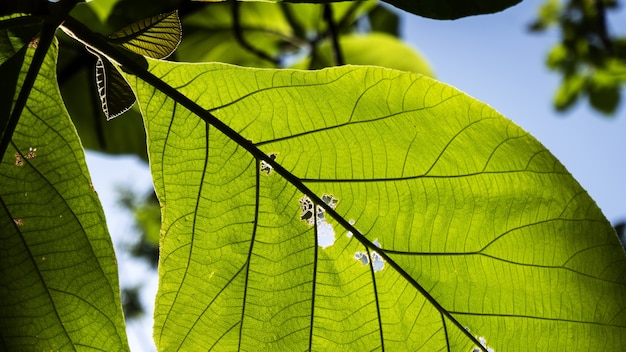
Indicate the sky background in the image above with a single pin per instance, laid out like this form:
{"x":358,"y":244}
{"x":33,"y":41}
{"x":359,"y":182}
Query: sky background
{"x":493,"y":58}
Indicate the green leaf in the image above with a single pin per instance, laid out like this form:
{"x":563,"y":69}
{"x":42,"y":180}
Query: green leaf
{"x":451,"y":225}
{"x":569,"y":91}
{"x":58,"y":284}
{"x":114,"y":92}
{"x":209,"y":34}
{"x":9,"y":71}
{"x":156,"y":37}
{"x":118,"y":136}
{"x":77,"y":81}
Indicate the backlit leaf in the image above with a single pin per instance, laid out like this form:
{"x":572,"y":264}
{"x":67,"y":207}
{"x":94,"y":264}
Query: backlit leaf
{"x":156,"y":37}
{"x":114,"y":92}
{"x":59,"y":287}
{"x":366,"y":209}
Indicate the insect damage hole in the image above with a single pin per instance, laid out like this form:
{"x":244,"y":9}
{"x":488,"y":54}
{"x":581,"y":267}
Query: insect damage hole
{"x":18,"y":159}
{"x":31,"y":153}
{"x":349,"y":233}
{"x":265,"y":167}
{"x":378,"y":263}
{"x":483,"y":342}
{"x":362,"y":257}
{"x":313,"y":215}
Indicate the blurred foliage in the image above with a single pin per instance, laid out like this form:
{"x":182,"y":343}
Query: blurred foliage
{"x":251,"y":34}
{"x":131,"y":303}
{"x":589,"y":57}
{"x":147,"y":215}
{"x":144,"y":247}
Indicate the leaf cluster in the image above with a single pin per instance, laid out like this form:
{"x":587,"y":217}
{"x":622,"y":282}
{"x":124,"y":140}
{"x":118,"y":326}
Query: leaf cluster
{"x":589,"y":57}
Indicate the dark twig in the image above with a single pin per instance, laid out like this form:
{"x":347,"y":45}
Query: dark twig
{"x":345,"y":20}
{"x":603,"y":32}
{"x":238,"y":31}
{"x":333,"y":35}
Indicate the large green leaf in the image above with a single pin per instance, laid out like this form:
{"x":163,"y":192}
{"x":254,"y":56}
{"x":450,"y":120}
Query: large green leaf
{"x":58,"y":273}
{"x":450,"y":224}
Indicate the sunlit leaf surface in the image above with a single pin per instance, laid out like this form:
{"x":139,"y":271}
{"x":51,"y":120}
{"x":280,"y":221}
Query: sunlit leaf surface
{"x":156,"y":37}
{"x":451,"y":222}
{"x":59,"y":289}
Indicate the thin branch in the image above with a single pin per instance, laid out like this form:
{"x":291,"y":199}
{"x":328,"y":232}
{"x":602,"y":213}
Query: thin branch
{"x":603,"y":32}
{"x":238,"y":31}
{"x":333,"y":35}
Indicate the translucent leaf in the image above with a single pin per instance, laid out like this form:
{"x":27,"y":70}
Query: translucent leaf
{"x":114,"y":92}
{"x":452,"y":227}
{"x":58,"y":273}
{"x":156,"y":37}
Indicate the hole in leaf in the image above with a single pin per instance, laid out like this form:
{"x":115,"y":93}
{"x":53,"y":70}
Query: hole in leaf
{"x":378,"y":263}
{"x":314,"y":215}
{"x":325,"y":234}
{"x":265,"y":167}
{"x":307,"y":206}
{"x":483,"y":342}
{"x":351,"y":222}
{"x":362,"y":256}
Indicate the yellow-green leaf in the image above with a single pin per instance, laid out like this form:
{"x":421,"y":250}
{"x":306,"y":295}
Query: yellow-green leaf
{"x":59,"y":287}
{"x":366,"y":209}
{"x":156,"y":37}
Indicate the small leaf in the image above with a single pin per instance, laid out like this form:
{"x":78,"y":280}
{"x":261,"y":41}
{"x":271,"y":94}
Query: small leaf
{"x":115,"y":94}
{"x":156,"y":37}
